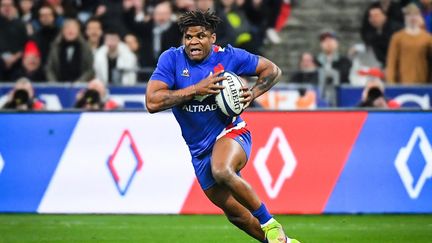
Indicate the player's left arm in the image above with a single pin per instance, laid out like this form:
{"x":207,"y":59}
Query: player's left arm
{"x":268,"y":75}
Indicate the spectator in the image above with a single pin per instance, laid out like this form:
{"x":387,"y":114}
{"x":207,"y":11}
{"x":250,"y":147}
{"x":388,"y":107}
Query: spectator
{"x":132,"y":42}
{"x":182,"y":6}
{"x":26,"y":10}
{"x":379,"y":33}
{"x":333,"y":65}
{"x":267,"y":18}
{"x":26,"y":14}
{"x":110,"y":13}
{"x":31,"y":64}
{"x":361,"y":58}
{"x":86,"y":9}
{"x":427,"y":14}
{"x":94,"y":34}
{"x":257,"y":14}
{"x":284,"y":13}
{"x":95,"y":97}
{"x":224,"y":33}
{"x":407,"y":61}
{"x":47,"y":16}
{"x":373,"y":93}
{"x":89,"y":100}
{"x":157,"y":35}
{"x":13,"y":36}
{"x":114,"y":62}
{"x":65,"y":8}
{"x":240,"y":24}
{"x":274,"y":9}
{"x":134,"y":45}
{"x":140,"y":7}
{"x":70,"y":57}
{"x":47,"y":31}
{"x":392,"y":10}
{"x":164,"y":27}
{"x":308,"y":70}
{"x":22,"y":98}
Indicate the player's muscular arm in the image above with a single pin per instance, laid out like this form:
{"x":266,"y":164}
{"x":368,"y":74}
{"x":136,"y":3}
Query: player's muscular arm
{"x":268,"y":75}
{"x":159,"y":97}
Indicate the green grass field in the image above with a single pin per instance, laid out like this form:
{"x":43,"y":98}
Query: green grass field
{"x":202,"y":229}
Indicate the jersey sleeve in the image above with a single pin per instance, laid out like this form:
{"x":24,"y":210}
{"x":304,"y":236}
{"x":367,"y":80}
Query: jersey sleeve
{"x":165,"y":69}
{"x":246,"y":62}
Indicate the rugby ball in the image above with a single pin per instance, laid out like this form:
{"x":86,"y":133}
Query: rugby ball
{"x":228,"y":99}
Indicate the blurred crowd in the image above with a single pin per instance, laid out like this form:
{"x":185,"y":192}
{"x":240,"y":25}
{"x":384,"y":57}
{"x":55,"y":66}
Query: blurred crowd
{"x":396,"y":48}
{"x":117,"y":41}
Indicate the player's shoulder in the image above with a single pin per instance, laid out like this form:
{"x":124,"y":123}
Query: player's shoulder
{"x":173,"y":51}
{"x":171,"y":55}
{"x":230,"y":51}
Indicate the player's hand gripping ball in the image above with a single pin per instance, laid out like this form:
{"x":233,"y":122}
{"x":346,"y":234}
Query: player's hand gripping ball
{"x":229,"y":98}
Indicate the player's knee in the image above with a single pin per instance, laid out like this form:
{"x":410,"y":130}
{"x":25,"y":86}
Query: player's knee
{"x":222,"y":175}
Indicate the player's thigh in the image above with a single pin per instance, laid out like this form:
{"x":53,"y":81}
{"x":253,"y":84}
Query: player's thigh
{"x":228,"y":154}
{"x":222,"y":198}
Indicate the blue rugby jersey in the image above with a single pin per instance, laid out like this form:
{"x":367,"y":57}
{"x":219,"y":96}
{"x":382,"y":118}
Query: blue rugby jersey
{"x":200,"y":119}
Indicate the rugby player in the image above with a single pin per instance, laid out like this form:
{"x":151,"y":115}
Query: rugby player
{"x":186,"y":81}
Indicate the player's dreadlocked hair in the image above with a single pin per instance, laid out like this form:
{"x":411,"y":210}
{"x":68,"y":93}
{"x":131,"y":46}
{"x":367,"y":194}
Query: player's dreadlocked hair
{"x":207,"y":19}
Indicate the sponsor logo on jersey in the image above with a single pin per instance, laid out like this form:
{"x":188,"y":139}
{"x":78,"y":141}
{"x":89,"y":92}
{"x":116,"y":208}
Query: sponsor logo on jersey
{"x":194,"y":107}
{"x":200,"y":108}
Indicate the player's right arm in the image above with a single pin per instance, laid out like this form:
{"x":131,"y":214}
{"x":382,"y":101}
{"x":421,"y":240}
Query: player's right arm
{"x":159,"y":97}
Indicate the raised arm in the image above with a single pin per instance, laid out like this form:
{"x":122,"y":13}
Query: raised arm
{"x":159,"y":97}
